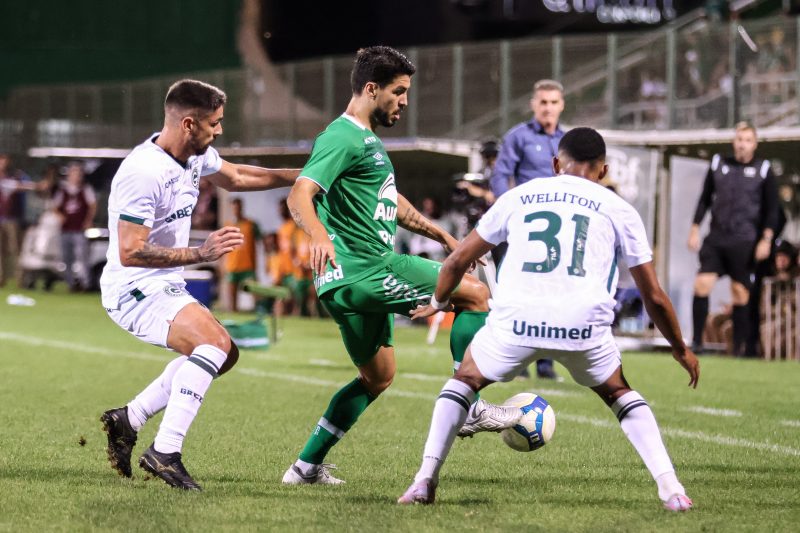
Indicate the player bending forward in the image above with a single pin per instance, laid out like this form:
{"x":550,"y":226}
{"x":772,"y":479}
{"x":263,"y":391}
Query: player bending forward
{"x":149,"y":217}
{"x":554,"y":299}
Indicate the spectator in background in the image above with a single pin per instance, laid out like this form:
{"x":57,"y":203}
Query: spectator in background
{"x":206,"y":212}
{"x":240,"y":264}
{"x":75,"y":202}
{"x":527,"y":153}
{"x":292,"y":267}
{"x":741,"y":193}
{"x":11,"y":215}
{"x":473,"y":196}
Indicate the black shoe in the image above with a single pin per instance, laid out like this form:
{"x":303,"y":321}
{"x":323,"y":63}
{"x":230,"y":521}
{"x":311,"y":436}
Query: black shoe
{"x":121,"y":439}
{"x":544,"y":370}
{"x":168,"y":466}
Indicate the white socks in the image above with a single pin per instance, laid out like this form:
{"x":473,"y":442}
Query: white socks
{"x":189,"y":385}
{"x":155,"y":397}
{"x":639,"y":425}
{"x":449,"y":414}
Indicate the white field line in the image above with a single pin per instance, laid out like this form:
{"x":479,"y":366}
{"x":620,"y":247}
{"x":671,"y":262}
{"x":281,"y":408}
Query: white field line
{"x":671,"y":432}
{"x":712,"y":411}
{"x":791,"y":423}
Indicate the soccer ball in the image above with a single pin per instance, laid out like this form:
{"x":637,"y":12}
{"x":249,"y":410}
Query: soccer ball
{"x":535,"y":428}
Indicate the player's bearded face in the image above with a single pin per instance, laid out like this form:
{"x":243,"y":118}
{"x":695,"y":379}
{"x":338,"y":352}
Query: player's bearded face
{"x":391,"y":101}
{"x":206,"y":129}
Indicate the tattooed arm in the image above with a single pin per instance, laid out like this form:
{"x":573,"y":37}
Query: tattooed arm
{"x":301,"y":206}
{"x":412,"y":220}
{"x":135,"y":251}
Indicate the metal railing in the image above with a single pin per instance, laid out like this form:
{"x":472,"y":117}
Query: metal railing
{"x":780,"y":327}
{"x":692,"y":74}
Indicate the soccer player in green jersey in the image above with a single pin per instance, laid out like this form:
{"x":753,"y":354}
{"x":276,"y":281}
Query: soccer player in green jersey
{"x":347,"y":202}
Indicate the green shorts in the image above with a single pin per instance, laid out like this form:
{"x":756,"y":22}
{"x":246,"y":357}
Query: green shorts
{"x":364,"y":310}
{"x":238,"y":277}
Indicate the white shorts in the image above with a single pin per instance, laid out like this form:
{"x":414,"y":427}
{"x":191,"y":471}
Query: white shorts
{"x":500,"y":361}
{"x":147,"y":310}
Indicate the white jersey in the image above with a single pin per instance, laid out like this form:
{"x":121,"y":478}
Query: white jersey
{"x":556,"y":285}
{"x":155,"y":190}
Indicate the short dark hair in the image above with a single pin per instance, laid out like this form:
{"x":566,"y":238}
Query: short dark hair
{"x":194,"y":94}
{"x":583,"y":145}
{"x":380,"y":64}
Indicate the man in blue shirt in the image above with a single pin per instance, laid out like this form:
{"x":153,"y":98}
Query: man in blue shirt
{"x":527,"y":153}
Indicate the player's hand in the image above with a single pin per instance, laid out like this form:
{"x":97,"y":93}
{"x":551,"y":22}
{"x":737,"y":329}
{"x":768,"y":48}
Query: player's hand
{"x":688,"y":360}
{"x":424,"y":311}
{"x":762,"y":249}
{"x":221,"y":242}
{"x":322,"y":251}
{"x":694,"y":240}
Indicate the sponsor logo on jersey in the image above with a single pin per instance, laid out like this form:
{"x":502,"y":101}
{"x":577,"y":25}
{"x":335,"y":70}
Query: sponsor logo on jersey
{"x":180,"y":213}
{"x":749,"y":172}
{"x":331,"y":275}
{"x":544,"y":331}
{"x":173,"y":291}
{"x":370,"y":140}
{"x":400,"y":289}
{"x":378,"y":159}
{"x":387,"y":192}
{"x":196,"y":178}
{"x":172,"y":181}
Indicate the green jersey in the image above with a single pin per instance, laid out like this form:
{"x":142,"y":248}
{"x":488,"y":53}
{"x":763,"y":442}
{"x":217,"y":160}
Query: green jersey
{"x":358,"y":201}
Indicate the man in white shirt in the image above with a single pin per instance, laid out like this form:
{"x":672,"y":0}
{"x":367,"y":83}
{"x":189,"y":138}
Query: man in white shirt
{"x":149,"y":218}
{"x":554,"y":299}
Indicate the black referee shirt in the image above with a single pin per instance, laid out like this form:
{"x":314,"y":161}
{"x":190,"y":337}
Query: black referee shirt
{"x":743,"y":199}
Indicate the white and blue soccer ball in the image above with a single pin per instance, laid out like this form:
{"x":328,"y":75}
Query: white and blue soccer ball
{"x":535,"y":428}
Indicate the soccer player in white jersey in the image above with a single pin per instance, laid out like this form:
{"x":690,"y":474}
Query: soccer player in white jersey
{"x":554,"y":299}
{"x":149,"y":217}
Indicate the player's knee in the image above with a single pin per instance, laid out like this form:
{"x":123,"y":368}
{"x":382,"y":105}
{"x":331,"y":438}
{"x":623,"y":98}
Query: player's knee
{"x":218,"y":337}
{"x":473,"y":295}
{"x":375,"y":385}
{"x":233,"y":358}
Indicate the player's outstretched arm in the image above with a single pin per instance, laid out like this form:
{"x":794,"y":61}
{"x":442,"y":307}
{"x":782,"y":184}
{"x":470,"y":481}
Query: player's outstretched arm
{"x":660,"y":310}
{"x":135,"y":251}
{"x":453,"y":269}
{"x":233,"y":177}
{"x":301,"y":206}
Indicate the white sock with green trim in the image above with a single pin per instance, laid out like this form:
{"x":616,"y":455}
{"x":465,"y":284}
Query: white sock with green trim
{"x":189,"y":385}
{"x":154,"y":398}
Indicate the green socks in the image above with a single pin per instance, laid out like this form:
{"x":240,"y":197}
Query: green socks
{"x":465,"y":326}
{"x":343,"y":411}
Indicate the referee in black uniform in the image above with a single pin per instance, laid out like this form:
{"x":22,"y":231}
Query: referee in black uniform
{"x":741,"y":193}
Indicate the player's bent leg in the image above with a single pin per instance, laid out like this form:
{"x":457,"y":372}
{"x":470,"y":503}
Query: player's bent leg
{"x":640,"y":427}
{"x":193,"y":332}
{"x":449,"y":413}
{"x":471,"y":301}
{"x":344,"y":409}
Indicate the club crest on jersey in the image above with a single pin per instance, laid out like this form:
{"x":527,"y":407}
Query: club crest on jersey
{"x":196,"y":178}
{"x":388,"y":192}
{"x":172,"y":291}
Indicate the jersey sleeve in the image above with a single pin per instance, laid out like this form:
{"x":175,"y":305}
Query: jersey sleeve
{"x":331,"y":156}
{"x":211,"y":163}
{"x":136,"y":196}
{"x":632,"y":237}
{"x":493,"y":225}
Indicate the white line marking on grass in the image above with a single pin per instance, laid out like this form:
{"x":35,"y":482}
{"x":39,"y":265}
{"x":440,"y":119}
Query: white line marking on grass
{"x":322,"y":362}
{"x":712,"y":411}
{"x":78,"y":347}
{"x":422,"y":377}
{"x":672,"y":432}
{"x":791,"y":423}
{"x":555,"y":392}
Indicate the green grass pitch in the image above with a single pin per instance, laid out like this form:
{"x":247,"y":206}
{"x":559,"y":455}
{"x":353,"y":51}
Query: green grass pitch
{"x":735,"y":440}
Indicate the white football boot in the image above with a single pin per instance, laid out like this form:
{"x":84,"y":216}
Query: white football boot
{"x":423,"y":492}
{"x":293,"y":476}
{"x":485,"y":416}
{"x":677,"y":503}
